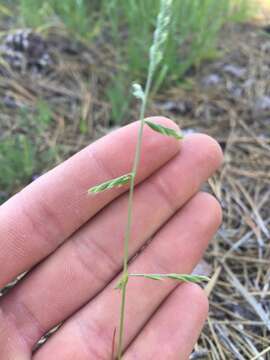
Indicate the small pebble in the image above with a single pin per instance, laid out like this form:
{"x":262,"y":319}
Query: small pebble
{"x":262,"y":103}
{"x":211,"y":80}
{"x":234,"y":70}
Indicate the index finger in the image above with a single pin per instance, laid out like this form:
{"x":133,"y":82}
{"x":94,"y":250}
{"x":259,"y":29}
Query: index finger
{"x":37,"y":220}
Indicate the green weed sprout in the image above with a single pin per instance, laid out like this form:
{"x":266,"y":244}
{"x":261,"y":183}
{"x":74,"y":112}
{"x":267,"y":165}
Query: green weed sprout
{"x":155,"y":57}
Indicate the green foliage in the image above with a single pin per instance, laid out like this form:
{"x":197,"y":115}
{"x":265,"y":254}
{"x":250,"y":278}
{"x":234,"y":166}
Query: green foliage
{"x":119,"y":97}
{"x":83,"y":126}
{"x":192,"y":35}
{"x":78,"y":16}
{"x":17,"y":161}
{"x":34,"y":13}
{"x":44,"y":115}
{"x":241,"y":10}
{"x":5,"y":11}
{"x":22,"y":152}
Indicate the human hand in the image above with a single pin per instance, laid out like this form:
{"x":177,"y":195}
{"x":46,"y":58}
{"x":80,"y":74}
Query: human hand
{"x":74,"y":245}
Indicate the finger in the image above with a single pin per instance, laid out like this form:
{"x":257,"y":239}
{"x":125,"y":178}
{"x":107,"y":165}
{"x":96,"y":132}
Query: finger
{"x":12,"y":345}
{"x":174,"y":329}
{"x":92,"y":257}
{"x":175,"y":248}
{"x":38,"y":219}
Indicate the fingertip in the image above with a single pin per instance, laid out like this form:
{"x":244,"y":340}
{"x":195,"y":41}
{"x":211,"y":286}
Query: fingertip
{"x":208,"y":148}
{"x":214,"y":149}
{"x":213,"y":210}
{"x":196,"y":296}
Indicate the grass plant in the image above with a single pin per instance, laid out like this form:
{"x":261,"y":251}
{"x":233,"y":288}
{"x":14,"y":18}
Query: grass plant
{"x":155,"y":58}
{"x":22,"y":151}
{"x":128,"y":26}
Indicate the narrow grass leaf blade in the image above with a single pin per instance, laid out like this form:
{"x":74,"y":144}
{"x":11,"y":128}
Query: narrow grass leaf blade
{"x":4,"y":10}
{"x":152,"y":276}
{"x":178,"y":277}
{"x":188,"y":278}
{"x":164,"y":130}
{"x":117,"y":182}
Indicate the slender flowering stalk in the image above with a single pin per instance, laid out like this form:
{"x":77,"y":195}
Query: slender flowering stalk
{"x":155,"y":57}
{"x":156,"y":53}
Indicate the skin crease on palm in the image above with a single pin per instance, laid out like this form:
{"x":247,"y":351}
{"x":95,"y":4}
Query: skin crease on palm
{"x":74,"y":243}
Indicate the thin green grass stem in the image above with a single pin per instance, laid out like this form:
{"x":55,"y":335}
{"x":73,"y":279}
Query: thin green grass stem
{"x":130,"y":206}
